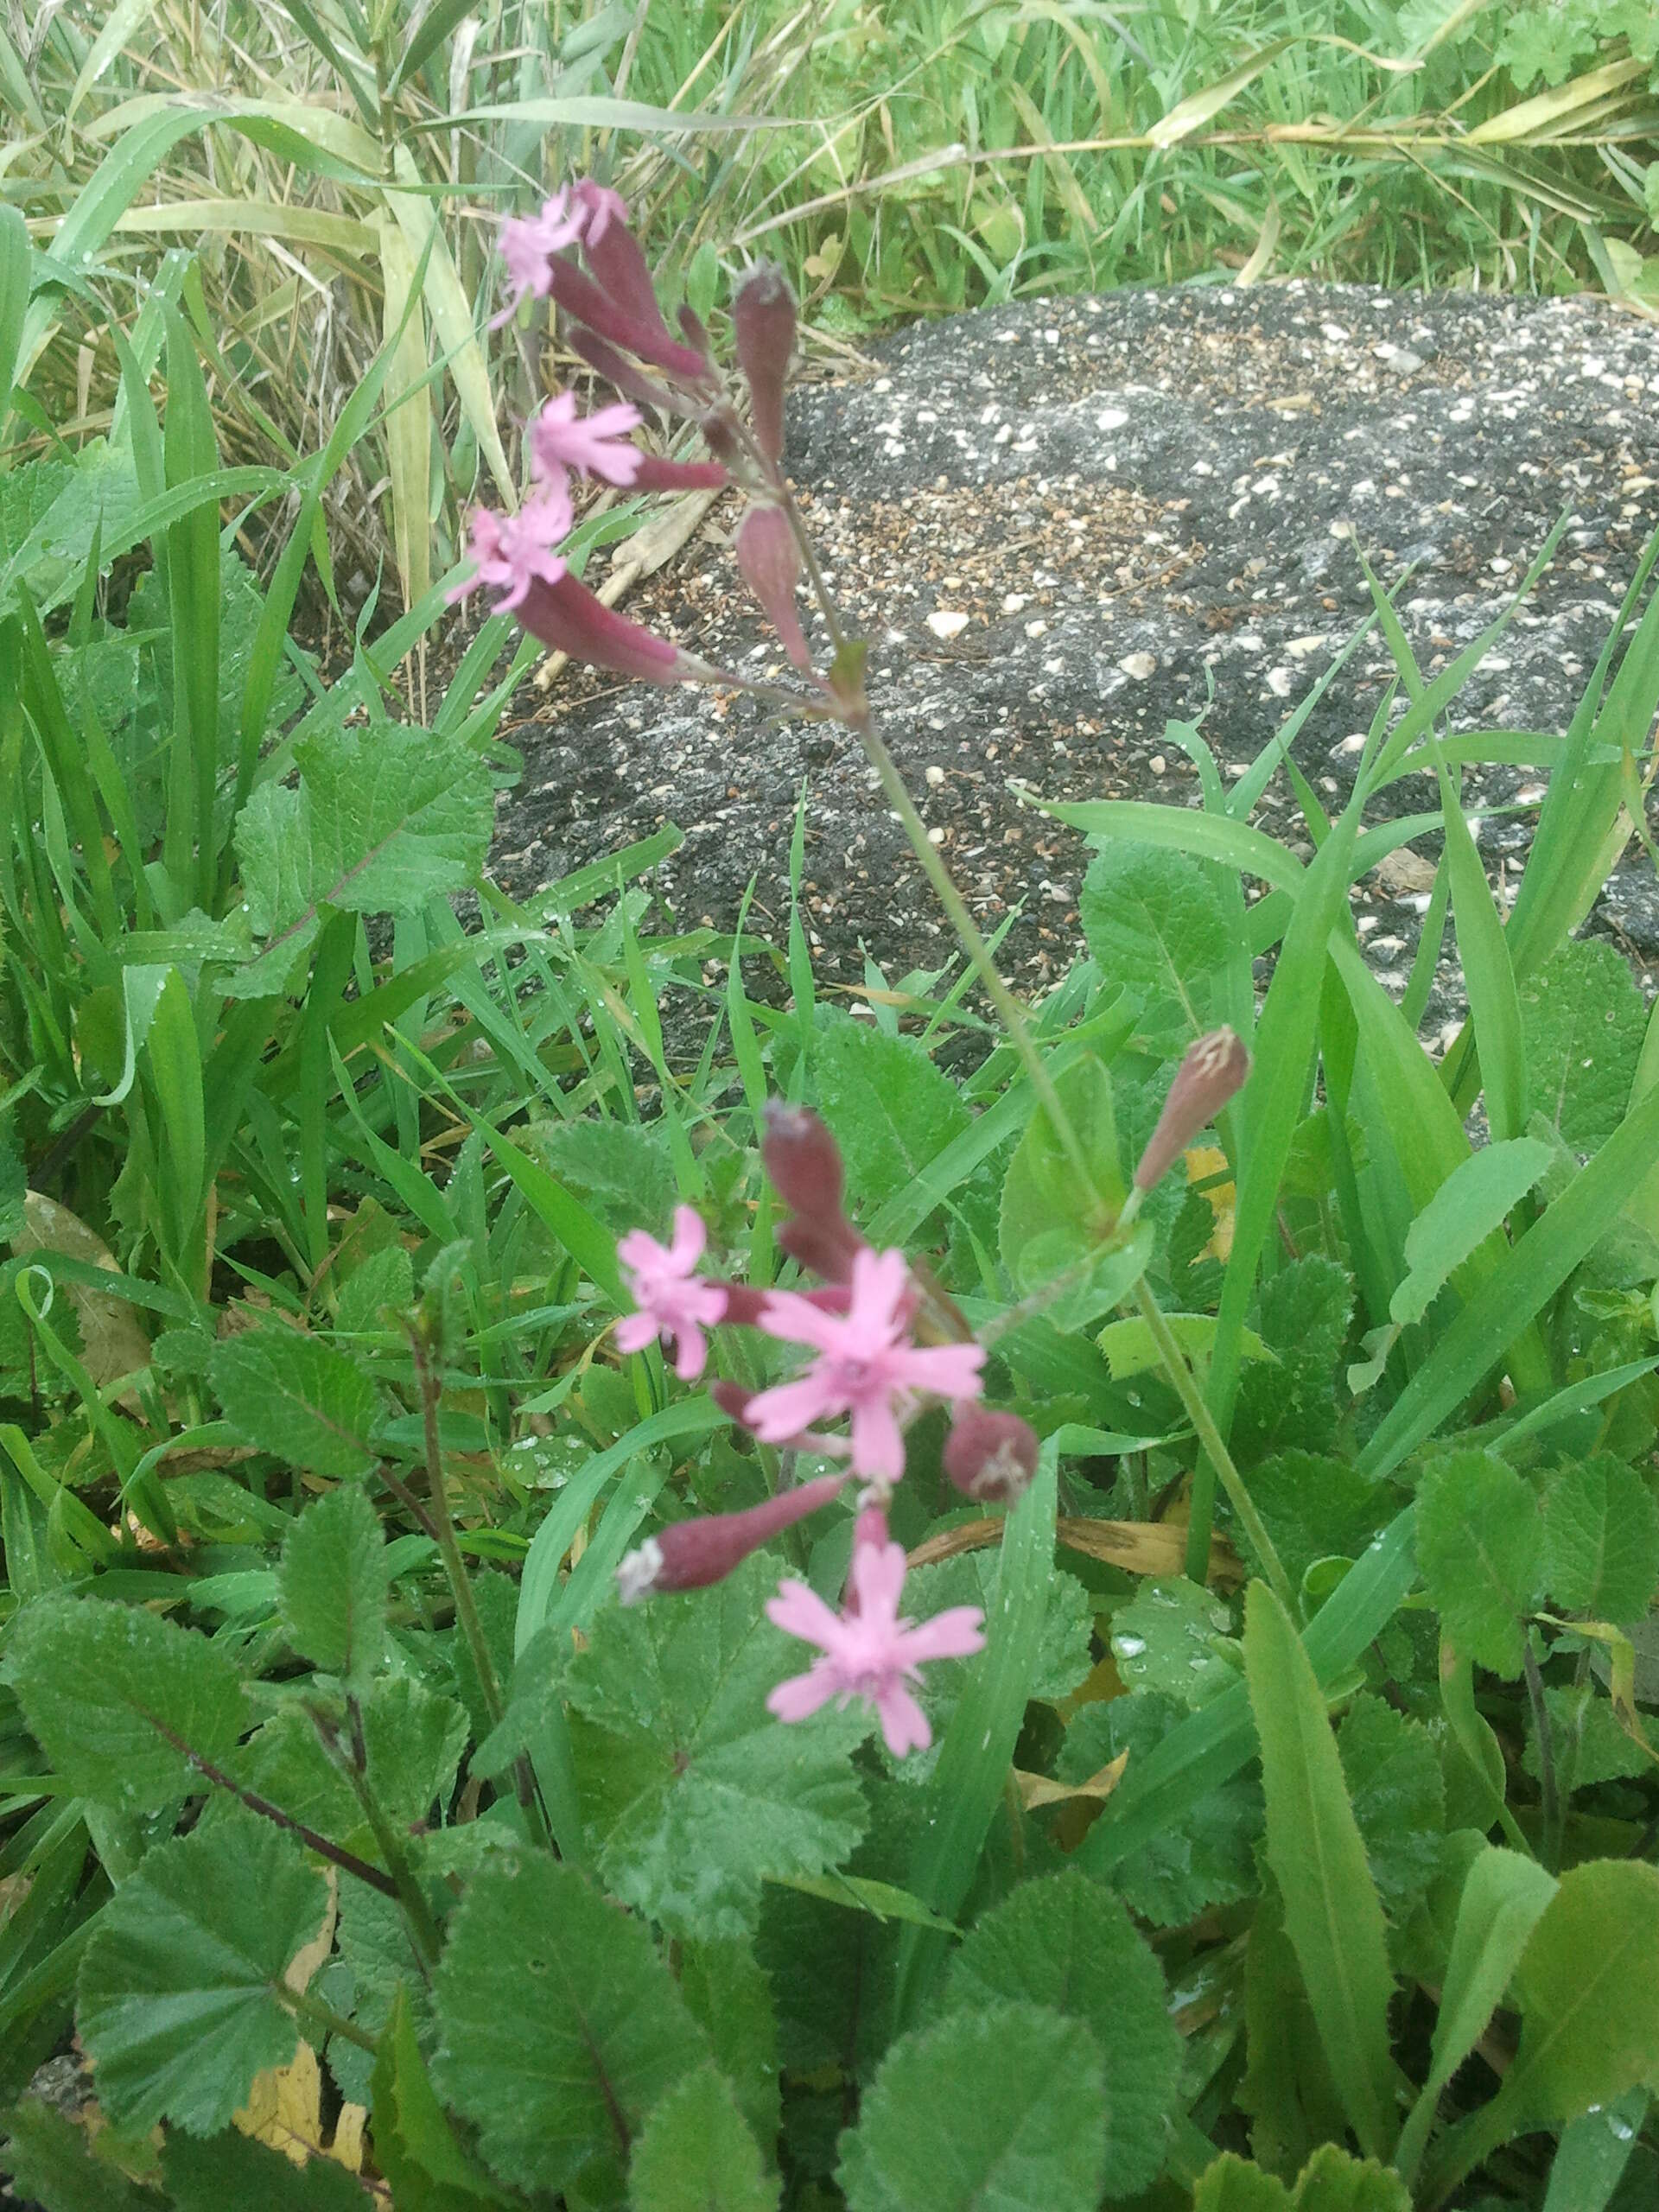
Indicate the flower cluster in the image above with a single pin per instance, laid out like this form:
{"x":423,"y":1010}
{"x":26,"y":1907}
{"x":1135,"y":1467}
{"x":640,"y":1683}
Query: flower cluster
{"x":579,"y":253}
{"x":862,"y":1326}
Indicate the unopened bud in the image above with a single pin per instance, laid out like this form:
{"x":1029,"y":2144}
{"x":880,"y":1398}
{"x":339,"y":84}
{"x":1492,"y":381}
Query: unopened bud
{"x":573,"y":619}
{"x":763,"y":321}
{"x":870,"y":1528}
{"x":690,"y":1555}
{"x":1214,"y":1070}
{"x":990,"y":1456}
{"x":771,"y":562}
{"x":803,"y":1163}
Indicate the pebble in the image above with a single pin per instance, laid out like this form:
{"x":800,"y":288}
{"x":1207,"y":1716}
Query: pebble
{"x":1139,"y":666}
{"x":947,"y":623}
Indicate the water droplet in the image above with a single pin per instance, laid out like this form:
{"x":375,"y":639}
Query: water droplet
{"x":1128,"y":1647}
{"x":1197,"y":1665}
{"x":1620,"y":2130}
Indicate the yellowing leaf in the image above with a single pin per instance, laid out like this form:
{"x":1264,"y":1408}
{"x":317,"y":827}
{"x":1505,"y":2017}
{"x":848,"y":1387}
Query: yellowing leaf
{"x":1037,"y":1790}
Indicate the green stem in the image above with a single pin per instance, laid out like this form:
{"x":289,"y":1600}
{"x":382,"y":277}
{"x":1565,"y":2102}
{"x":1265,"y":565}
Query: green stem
{"x":1463,"y":2148}
{"x":1215,"y":1455}
{"x":1009,"y":1010}
{"x":422,"y":1922}
{"x":316,"y":2014}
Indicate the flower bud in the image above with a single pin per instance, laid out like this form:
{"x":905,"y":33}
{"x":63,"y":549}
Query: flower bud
{"x":763,"y":321}
{"x":612,"y":318}
{"x":803,"y":1163}
{"x":690,"y":1555}
{"x":990,"y":1456}
{"x":869,"y":1528}
{"x":572,"y":620}
{"x":771,"y":562}
{"x":1214,"y":1069}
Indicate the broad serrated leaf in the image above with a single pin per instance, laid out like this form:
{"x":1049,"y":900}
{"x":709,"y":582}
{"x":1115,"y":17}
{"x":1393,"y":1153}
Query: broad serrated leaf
{"x":1153,"y":917}
{"x":1059,"y":1942}
{"x":384,"y":820}
{"x":1205,"y":1858}
{"x":1392,"y":1768}
{"x":692,"y":1792}
{"x":1005,"y":2108}
{"x":1175,"y":1638}
{"x":621,"y":1171}
{"x":887,"y":1106}
{"x":233,"y":2170}
{"x":727,"y":1991}
{"x":595,"y":2035}
{"x":49,"y":2161}
{"x":414,"y":1739}
{"x":1584,"y":1019}
{"x":1331,"y":2181}
{"x":1315,"y":1508}
{"x":1601,"y":1540}
{"x":414,"y":2147}
{"x":698,"y":2155}
{"x":296,"y":1397}
{"x":1480,"y":1544}
{"x":1332,"y":1913}
{"x":176,"y":2002}
{"x":1289,"y":1401}
{"x":1586,"y":1744}
{"x":1588,"y":1992}
{"x":119,"y":1699}
{"x":1063,"y":1657}
{"x":333,"y":1581}
{"x":1041,"y":1227}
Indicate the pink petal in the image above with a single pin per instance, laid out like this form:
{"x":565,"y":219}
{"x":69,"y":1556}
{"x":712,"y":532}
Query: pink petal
{"x":691,"y":1352}
{"x":877,"y":1576}
{"x":802,"y":1694}
{"x":775,"y":1416}
{"x":640,"y":1251}
{"x":635,"y":1331}
{"x":795,"y":1319}
{"x":689,"y":1237}
{"x":800,"y":1611}
{"x":903,"y":1722}
{"x":878,"y":1442}
{"x":957,"y":1634}
{"x":946,"y":1371}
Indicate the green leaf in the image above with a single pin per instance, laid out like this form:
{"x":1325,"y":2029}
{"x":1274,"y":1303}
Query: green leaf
{"x":727,"y":1992}
{"x":1004,"y":2107}
{"x":1392,"y":1769}
{"x":697,"y":2154}
{"x":1153,"y":918}
{"x":118,"y":1697}
{"x":176,"y":2003}
{"x":232,"y":2168}
{"x":1331,"y":2181}
{"x":1175,"y":1637}
{"x":619,"y":1169}
{"x":1303,"y":1316}
{"x":595,"y":2035}
{"x":1589,"y":2163}
{"x":296,"y":1397}
{"x":1201,"y":1856}
{"x":1040,"y":1198}
{"x":1586,"y":1744}
{"x":1588,"y":1991}
{"x":332,"y":1582}
{"x":1480,"y":1548}
{"x":1061,"y":1654}
{"x":887,"y":1106}
{"x":414,"y":1739}
{"x":1503,"y":1898}
{"x":1058,"y":1942}
{"x":1476,"y":1197}
{"x":1601,"y":1540}
{"x":50,"y":2160}
{"x":414,"y":2147}
{"x":692,"y":1792}
{"x":1332,"y":1913}
{"x":1584,"y":1019}
{"x":1315,"y":1509}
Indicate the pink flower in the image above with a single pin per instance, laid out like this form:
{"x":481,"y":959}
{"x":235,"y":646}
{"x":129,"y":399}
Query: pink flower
{"x":528,"y":244}
{"x":560,"y":438}
{"x":866,"y":1366}
{"x":511,"y":552}
{"x":868,"y":1652}
{"x":674,"y":1302}
{"x":597,"y":208}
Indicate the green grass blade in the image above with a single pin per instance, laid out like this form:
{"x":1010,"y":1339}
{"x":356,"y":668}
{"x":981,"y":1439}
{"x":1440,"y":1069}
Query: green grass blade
{"x":1332,"y":1913}
{"x":1494,"y":1005}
